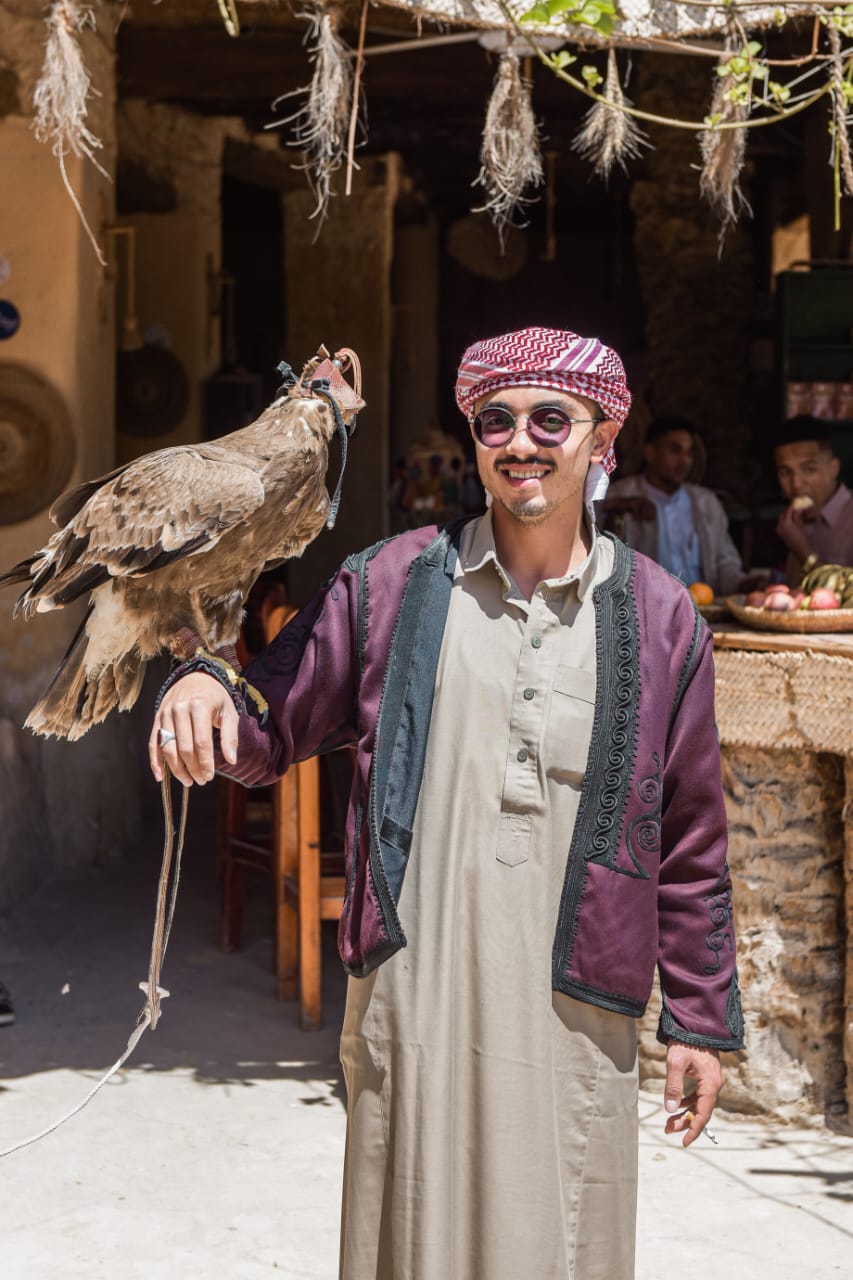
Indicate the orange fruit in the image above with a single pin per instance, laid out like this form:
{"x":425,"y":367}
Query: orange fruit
{"x":701,"y":592}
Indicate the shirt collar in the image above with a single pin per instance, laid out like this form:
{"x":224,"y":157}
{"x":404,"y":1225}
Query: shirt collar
{"x":480,"y":551}
{"x":831,"y":511}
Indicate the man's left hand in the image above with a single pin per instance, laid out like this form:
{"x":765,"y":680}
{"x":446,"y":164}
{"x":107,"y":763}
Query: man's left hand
{"x":685,"y":1061}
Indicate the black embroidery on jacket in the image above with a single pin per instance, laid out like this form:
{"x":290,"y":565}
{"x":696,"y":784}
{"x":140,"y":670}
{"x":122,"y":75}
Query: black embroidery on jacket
{"x":644,"y":832}
{"x":734,"y":1012}
{"x":719,"y":904}
{"x":607,"y":779}
{"x":620,"y":677}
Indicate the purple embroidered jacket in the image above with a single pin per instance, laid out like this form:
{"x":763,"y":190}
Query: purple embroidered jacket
{"x":646,"y":878}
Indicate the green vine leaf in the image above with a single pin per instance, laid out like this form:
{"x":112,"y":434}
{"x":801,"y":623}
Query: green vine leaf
{"x":592,"y":76}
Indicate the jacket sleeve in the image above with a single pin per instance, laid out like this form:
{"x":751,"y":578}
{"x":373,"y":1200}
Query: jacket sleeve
{"x":696,"y":956}
{"x":309,"y":680}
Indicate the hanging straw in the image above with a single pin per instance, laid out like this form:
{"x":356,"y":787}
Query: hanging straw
{"x":609,"y":135}
{"x":841,"y":159}
{"x":321,"y":125}
{"x":724,"y":154}
{"x":61,"y":96}
{"x":509,"y":155}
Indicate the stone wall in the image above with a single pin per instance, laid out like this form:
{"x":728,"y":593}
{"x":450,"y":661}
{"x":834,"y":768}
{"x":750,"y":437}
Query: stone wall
{"x":786,"y":852}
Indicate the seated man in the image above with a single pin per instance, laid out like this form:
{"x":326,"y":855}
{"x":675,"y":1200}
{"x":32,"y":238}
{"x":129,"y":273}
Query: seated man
{"x":817,"y":524}
{"x":681,"y":526}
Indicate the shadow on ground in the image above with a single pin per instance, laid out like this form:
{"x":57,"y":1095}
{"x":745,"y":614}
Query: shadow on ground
{"x":74,"y":953}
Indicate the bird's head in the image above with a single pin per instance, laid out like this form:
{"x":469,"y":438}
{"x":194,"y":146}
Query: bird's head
{"x":323,"y":378}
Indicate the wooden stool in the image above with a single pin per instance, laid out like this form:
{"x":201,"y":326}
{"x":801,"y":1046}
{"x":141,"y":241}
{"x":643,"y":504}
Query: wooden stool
{"x":277,"y":830}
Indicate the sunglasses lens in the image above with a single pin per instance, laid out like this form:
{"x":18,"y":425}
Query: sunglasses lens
{"x":549,"y":426}
{"x":494,"y":427}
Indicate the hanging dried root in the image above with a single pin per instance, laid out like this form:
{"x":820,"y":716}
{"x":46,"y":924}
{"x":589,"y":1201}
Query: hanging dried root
{"x":841,"y":158}
{"x":320,"y":126}
{"x":509,"y":155}
{"x":723,"y":155}
{"x":61,"y":97}
{"x":609,"y":135}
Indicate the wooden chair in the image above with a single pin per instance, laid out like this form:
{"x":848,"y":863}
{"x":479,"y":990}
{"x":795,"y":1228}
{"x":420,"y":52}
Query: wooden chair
{"x":278,"y":831}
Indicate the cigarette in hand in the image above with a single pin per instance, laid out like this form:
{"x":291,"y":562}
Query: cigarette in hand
{"x":707,"y":1132}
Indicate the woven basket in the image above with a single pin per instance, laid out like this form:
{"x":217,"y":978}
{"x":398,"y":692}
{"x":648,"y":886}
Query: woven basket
{"x":799,"y":621}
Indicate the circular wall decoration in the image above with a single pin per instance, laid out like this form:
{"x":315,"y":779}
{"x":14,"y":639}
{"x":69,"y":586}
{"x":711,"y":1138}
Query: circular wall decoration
{"x":152,"y":391}
{"x":36,"y":443}
{"x":475,"y":244}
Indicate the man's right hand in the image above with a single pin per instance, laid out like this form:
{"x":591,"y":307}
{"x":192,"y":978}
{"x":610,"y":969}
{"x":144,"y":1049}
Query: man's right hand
{"x":791,"y":529}
{"x":193,"y":707}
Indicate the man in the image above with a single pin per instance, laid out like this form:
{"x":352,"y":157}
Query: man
{"x":681,"y":526}
{"x":817,"y":524}
{"x":536,"y":818}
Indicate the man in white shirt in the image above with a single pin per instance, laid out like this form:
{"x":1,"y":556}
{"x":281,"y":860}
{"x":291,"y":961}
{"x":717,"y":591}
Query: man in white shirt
{"x":682,"y":526}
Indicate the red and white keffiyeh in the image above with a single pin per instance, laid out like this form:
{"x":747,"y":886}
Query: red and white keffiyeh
{"x":554,"y":358}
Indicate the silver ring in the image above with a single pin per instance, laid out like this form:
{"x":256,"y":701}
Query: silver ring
{"x":166,"y":736}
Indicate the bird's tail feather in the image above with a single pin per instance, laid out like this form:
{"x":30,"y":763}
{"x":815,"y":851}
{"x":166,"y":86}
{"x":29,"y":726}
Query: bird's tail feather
{"x":75,"y":700}
{"x":18,"y":573}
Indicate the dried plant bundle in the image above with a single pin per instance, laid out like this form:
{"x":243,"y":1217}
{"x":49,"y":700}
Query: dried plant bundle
{"x":840,"y":119}
{"x":510,"y":158}
{"x":609,"y":135}
{"x":321,"y":125}
{"x":61,"y":97}
{"x":723,"y":155}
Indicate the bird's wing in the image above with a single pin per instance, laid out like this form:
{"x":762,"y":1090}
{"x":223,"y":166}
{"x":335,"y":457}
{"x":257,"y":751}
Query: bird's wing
{"x":158,"y":509}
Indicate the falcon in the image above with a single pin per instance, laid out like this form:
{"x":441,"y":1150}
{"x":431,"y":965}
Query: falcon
{"x":170,"y":545}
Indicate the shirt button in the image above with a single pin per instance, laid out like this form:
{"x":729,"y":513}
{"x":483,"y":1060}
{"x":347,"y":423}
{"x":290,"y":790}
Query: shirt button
{"x":521,"y":756}
{"x":528,"y":694}
{"x":536,"y":642}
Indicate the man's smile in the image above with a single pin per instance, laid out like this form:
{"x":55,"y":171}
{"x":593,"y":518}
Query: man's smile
{"x":520,"y":474}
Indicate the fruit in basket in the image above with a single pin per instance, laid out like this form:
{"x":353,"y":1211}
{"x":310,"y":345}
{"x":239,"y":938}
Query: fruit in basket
{"x":823,"y":598}
{"x":756,"y":599}
{"x":780,"y":602}
{"x":701,"y":592}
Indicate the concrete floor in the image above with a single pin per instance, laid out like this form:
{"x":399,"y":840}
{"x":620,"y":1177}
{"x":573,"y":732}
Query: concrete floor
{"x":217,"y":1152}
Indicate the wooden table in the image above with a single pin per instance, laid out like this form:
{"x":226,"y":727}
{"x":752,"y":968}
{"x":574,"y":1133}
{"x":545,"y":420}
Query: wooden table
{"x":731,"y":635}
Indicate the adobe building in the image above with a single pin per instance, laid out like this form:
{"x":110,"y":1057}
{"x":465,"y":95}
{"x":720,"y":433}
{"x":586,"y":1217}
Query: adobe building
{"x":216,"y":270}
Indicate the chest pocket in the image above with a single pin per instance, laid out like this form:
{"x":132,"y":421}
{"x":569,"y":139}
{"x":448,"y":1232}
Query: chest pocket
{"x":569,"y":727}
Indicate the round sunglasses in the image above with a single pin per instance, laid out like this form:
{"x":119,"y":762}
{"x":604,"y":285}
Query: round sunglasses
{"x":548,"y":425}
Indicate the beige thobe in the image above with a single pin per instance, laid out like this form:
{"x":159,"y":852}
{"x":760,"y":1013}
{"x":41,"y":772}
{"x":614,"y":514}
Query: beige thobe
{"x":492,"y":1123}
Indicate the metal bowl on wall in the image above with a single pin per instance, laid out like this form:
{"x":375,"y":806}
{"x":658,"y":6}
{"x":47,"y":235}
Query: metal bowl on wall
{"x":37,"y":446}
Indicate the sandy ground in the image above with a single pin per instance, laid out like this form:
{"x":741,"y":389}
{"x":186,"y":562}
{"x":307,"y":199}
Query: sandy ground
{"x":217,"y":1152}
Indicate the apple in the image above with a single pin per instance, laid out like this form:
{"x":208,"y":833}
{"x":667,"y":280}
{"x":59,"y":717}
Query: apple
{"x":780,"y":602}
{"x":756,"y":599}
{"x":823,"y":598}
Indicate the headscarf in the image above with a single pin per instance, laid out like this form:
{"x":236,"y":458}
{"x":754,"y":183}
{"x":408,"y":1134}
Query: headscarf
{"x":557,"y":359}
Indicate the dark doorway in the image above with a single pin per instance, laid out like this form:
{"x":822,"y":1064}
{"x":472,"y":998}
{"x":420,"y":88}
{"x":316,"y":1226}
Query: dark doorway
{"x":253,"y":254}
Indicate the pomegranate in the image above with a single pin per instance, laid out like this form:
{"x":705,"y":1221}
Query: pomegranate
{"x":781,"y":602}
{"x":823,"y":598}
